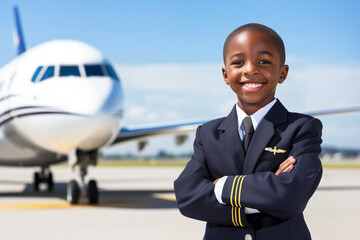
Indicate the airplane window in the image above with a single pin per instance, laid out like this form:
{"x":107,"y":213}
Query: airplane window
{"x":66,"y":71}
{"x":111,"y":72}
{"x":48,"y":73}
{"x":94,"y":70}
{"x":36,"y":74}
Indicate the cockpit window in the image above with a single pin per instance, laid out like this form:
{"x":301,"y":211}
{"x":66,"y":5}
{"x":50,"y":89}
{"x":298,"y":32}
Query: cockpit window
{"x":66,"y":71}
{"x":36,"y":74}
{"x":94,"y":70}
{"x":111,"y":72}
{"x":48,"y":73}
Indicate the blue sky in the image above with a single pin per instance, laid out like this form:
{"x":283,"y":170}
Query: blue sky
{"x":169,"y":53}
{"x":144,"y":32}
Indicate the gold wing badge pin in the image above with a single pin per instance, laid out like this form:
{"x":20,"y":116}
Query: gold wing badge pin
{"x":275,"y":150}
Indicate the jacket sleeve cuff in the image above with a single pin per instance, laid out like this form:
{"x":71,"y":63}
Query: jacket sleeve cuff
{"x":219,"y":189}
{"x":238,"y":217}
{"x":232,"y":189}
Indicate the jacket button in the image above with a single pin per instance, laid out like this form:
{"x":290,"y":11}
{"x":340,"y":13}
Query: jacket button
{"x":248,"y":237}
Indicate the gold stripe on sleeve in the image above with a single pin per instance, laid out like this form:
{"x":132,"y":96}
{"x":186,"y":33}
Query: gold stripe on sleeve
{"x":240,"y":218}
{"x":232,"y":190}
{"x":233,"y":216}
{"x":242,"y":179}
{"x":236,"y":217}
{"x":236,"y":191}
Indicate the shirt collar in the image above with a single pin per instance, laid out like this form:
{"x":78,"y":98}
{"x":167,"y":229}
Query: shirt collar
{"x":255,"y":117}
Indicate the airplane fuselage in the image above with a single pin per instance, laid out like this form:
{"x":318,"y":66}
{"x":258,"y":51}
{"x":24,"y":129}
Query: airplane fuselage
{"x":58,"y":96}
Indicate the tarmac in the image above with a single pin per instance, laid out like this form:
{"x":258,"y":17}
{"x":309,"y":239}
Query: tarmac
{"x":139,"y":203}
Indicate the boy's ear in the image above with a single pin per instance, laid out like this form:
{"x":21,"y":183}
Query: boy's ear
{"x":225,"y":76}
{"x":283,"y":73}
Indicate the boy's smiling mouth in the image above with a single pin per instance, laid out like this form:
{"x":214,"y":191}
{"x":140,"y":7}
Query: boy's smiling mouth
{"x":251,"y":86}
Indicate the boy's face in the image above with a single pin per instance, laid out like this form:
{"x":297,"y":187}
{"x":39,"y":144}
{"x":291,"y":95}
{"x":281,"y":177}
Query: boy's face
{"x":253,"y":69}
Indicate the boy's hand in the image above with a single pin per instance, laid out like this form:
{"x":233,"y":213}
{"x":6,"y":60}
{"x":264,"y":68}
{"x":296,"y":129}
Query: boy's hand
{"x":286,"y":166}
{"x":214,"y":182}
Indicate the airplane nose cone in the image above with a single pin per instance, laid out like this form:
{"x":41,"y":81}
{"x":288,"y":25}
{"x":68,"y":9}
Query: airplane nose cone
{"x":88,"y":96}
{"x":74,"y":113}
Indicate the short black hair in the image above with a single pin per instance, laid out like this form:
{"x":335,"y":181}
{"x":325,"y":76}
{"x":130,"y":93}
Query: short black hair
{"x":273,"y":36}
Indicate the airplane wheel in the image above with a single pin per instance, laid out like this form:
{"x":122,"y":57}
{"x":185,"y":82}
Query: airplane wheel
{"x":37,"y":181}
{"x":93,"y":192}
{"x":50,"y":182}
{"x":73,"y":192}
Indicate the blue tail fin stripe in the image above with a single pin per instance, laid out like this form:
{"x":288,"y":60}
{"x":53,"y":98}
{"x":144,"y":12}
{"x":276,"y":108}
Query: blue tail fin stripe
{"x":19,"y":40}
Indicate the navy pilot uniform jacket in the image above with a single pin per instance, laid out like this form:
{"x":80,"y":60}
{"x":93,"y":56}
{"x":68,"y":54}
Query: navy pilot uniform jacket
{"x":251,"y":180}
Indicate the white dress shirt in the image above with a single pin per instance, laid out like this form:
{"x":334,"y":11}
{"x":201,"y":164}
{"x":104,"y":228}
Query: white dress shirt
{"x":255,"y":119}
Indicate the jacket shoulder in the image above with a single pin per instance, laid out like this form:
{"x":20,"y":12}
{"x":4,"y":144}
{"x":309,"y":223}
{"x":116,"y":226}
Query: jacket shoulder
{"x":295,"y":116}
{"x":213,"y":124}
{"x":299,"y":116}
{"x":300,"y":119}
{"x":279,"y":111}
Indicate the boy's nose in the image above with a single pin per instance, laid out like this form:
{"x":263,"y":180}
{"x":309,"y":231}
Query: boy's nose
{"x":250,"y":68}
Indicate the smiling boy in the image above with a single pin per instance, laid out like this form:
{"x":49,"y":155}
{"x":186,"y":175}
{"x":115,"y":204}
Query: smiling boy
{"x":253,"y":172}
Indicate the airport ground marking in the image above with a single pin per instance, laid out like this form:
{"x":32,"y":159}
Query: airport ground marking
{"x":60,"y":205}
{"x":31,"y":206}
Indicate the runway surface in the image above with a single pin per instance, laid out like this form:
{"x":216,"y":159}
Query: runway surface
{"x":139,"y":203}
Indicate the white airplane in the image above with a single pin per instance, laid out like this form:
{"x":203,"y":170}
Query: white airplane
{"x":63,"y":101}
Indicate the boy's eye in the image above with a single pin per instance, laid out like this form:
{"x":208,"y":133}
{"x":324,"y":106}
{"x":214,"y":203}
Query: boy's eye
{"x":264,"y":62}
{"x":238,"y":62}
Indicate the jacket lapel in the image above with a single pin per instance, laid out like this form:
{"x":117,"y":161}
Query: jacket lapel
{"x":263,"y":134}
{"x":231,"y":140}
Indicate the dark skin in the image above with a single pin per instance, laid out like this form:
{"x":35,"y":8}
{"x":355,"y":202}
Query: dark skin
{"x":253,"y":69}
{"x":252,"y":59}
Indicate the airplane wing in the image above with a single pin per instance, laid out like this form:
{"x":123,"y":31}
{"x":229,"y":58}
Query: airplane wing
{"x":143,"y":133}
{"x":335,"y":111}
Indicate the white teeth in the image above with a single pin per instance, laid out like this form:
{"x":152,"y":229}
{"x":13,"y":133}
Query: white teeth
{"x":253,"y":85}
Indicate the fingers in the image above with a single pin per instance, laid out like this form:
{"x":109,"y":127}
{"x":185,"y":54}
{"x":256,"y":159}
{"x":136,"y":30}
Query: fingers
{"x":290,"y":160}
{"x":286,"y":166}
{"x":289,"y":168}
{"x":216,"y":181}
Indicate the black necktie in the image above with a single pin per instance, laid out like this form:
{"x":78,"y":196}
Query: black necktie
{"x":249,"y":132}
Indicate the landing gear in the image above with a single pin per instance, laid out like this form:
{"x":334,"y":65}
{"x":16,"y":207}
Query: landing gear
{"x":92,"y":192}
{"x":50,"y":182}
{"x":74,"y":191}
{"x":45,"y":176}
{"x":37,"y":181}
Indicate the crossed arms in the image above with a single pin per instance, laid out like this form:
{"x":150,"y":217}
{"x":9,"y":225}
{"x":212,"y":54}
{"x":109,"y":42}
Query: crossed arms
{"x":285,"y":166}
{"x":283,"y":193}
